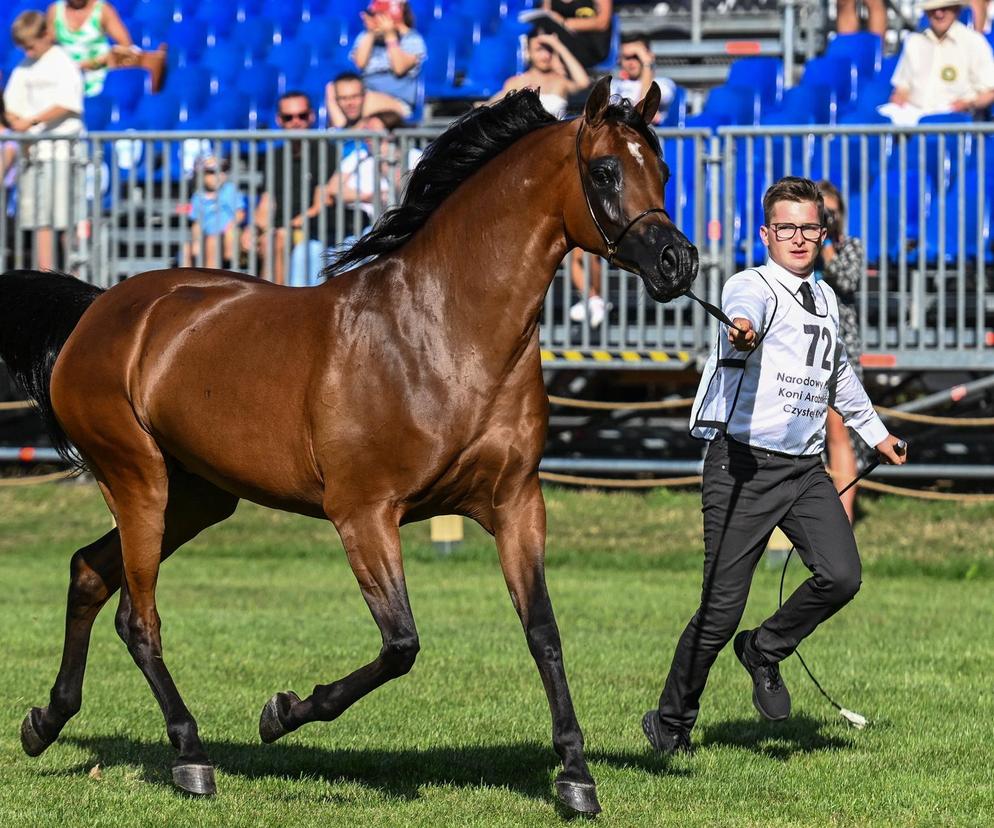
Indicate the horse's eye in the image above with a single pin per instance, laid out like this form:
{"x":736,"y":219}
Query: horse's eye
{"x":602,"y":176}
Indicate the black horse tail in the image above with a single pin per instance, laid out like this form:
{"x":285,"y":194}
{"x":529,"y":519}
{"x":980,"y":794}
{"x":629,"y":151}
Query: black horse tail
{"x":38,"y":311}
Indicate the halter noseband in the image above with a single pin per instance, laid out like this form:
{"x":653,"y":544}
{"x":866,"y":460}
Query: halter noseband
{"x":612,"y":246}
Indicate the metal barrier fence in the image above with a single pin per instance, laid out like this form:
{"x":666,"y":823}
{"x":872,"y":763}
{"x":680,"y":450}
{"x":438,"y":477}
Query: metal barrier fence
{"x":109,"y":205}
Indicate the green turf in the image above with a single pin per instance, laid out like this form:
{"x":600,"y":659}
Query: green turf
{"x":266,"y":602}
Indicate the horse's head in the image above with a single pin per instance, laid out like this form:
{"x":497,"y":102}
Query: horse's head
{"x":622,"y":175}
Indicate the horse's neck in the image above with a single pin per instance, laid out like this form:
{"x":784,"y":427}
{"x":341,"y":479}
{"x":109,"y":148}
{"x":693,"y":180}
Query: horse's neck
{"x":497,"y":241}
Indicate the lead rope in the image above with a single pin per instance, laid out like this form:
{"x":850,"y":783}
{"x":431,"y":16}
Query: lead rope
{"x":855,"y":719}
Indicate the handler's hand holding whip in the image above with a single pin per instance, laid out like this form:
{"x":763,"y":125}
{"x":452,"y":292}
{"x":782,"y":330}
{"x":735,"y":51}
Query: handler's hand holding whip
{"x":893,"y":450}
{"x":742,"y":336}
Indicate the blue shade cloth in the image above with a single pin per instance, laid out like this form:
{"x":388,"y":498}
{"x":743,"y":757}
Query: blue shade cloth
{"x":216,"y":214}
{"x":380,"y":78}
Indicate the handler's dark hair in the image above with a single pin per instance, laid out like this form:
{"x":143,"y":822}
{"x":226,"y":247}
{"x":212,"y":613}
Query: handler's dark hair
{"x":793,"y":188}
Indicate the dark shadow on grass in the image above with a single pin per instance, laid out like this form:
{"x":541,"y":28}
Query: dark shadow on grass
{"x":777,"y":740}
{"x":525,"y":768}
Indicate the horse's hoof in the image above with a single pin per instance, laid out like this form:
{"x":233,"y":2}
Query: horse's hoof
{"x":197,"y":780}
{"x":32,"y":741}
{"x":272,"y":721}
{"x":579,"y":798}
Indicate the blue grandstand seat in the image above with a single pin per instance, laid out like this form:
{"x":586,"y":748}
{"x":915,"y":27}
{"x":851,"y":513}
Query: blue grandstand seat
{"x":224,"y":61}
{"x":837,"y":75}
{"x":254,"y":35}
{"x":187,"y":37}
{"x":888,"y":65}
{"x":98,"y":112}
{"x":491,"y":63}
{"x":439,"y":69}
{"x":126,"y":87}
{"x":802,"y":105}
{"x":764,"y":74}
{"x":191,"y":85}
{"x":676,"y":111}
{"x":871,"y":95}
{"x":292,"y":59}
{"x":153,"y":12}
{"x":864,"y":49}
{"x":733,"y":104}
{"x":259,"y":83}
{"x":157,"y":112}
{"x":426,"y":12}
{"x":323,"y":36}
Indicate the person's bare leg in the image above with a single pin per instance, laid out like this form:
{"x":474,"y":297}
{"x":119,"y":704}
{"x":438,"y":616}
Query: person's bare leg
{"x":979,"y":15}
{"x":846,"y":17}
{"x":44,"y":245}
{"x":877,"y":17}
{"x":577,"y":276}
{"x":841,"y":460}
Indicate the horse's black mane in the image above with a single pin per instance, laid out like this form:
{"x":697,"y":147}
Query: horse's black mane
{"x":453,"y":157}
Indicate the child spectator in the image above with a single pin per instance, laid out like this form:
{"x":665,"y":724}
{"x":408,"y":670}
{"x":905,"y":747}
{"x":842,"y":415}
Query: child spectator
{"x":216,"y":212}
{"x":44,"y":99}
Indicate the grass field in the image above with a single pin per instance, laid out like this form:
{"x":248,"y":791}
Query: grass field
{"x":266,"y":602}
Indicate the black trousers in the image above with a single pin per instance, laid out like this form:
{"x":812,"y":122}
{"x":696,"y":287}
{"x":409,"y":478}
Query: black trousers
{"x":746,"y":493}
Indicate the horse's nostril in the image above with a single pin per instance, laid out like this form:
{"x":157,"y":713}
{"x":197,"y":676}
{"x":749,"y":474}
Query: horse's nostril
{"x":669,"y":261}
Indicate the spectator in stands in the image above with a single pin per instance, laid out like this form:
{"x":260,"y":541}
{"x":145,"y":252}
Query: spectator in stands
{"x":390,"y":51}
{"x":946,"y":68}
{"x":216,"y":211}
{"x":44,"y":97}
{"x":637,"y":66}
{"x":280,"y":214}
{"x":841,"y":265}
{"x":584,"y":27}
{"x":83,"y":27}
{"x":348,"y":101}
{"x":368,"y":173}
{"x":552,"y":70}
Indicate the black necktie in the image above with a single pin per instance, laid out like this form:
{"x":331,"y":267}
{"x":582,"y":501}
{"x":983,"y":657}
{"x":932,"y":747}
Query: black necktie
{"x":807,"y":297}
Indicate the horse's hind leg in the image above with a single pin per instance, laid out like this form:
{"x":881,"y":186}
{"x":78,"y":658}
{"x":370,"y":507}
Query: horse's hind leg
{"x":95,"y":574}
{"x":372,"y":544}
{"x":519,"y":527}
{"x":141,"y":497}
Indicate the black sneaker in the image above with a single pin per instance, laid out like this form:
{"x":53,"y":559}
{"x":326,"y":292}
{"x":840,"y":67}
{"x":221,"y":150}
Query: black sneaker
{"x":769,"y":693}
{"x":663,"y":738}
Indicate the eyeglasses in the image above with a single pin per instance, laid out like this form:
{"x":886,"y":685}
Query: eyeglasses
{"x":289,"y":117}
{"x":631,"y":57}
{"x":785,"y":232}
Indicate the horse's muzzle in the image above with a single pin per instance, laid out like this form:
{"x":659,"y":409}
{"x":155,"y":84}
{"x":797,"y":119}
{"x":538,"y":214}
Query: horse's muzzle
{"x":675,"y":269}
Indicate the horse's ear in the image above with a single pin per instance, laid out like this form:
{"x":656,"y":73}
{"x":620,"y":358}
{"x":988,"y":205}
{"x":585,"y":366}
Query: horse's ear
{"x":649,"y":105}
{"x":597,"y":101}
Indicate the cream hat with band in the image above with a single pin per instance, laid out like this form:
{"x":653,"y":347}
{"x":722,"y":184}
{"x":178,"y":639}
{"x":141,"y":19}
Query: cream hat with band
{"x":931,"y":5}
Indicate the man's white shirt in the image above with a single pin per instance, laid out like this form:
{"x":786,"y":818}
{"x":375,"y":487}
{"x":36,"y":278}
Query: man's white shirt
{"x":936,"y":72}
{"x":777,"y":396}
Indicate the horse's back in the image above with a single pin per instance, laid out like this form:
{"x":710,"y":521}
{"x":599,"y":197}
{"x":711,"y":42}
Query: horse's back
{"x":215,"y":366}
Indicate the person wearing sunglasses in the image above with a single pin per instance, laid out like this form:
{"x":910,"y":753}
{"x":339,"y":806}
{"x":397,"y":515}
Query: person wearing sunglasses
{"x":946,"y":68}
{"x":762,"y":405}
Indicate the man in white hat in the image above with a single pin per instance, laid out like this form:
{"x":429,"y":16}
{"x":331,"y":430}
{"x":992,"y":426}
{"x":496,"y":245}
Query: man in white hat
{"x":946,"y":68}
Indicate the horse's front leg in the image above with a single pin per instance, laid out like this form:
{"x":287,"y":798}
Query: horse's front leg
{"x":519,"y":527}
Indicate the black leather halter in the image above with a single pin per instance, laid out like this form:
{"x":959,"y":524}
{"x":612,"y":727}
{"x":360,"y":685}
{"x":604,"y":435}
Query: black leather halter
{"x":612,"y":246}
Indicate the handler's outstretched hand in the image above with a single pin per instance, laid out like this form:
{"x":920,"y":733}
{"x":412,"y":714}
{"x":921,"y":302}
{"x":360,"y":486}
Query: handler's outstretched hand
{"x":893,"y":450}
{"x":743,"y":339}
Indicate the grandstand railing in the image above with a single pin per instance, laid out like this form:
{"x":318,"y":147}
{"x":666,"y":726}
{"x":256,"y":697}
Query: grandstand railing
{"x":917,"y":197}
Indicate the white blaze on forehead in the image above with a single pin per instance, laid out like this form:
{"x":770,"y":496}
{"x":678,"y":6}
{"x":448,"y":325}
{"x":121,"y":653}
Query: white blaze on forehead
{"x":636,"y":152}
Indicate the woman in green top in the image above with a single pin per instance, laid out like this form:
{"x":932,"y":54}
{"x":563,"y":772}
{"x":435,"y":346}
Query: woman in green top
{"x":82,"y":28}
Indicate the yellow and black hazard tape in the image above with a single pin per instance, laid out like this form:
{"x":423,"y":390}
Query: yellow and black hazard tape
{"x":629,"y":357}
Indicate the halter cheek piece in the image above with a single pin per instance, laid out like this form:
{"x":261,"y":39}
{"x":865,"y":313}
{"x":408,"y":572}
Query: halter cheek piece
{"x":612,"y":246}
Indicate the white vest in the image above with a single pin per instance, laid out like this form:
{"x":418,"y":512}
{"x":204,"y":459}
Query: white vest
{"x":775,"y":397}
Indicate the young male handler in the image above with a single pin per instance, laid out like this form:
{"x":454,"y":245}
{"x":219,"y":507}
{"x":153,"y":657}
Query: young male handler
{"x":762,"y":404}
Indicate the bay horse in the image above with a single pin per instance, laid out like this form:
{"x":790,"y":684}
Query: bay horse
{"x":409,"y":385}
